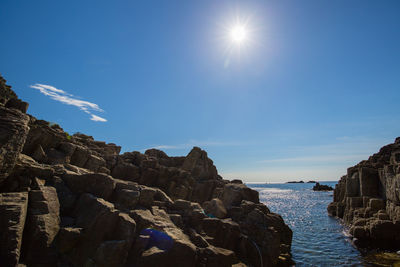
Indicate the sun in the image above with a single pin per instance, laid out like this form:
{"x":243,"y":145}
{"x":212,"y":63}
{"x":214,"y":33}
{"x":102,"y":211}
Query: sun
{"x":238,"y":34}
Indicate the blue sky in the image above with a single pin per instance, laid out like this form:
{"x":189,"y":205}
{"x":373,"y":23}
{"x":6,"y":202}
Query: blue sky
{"x":313,"y":91}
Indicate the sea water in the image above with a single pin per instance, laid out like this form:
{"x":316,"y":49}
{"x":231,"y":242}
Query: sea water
{"x":318,"y":239}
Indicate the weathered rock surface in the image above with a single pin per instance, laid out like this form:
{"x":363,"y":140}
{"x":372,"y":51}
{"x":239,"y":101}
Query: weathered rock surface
{"x":42,"y":226}
{"x":13,"y":131}
{"x":69,"y":200}
{"x":368,"y":199}
{"x":13,"y":208}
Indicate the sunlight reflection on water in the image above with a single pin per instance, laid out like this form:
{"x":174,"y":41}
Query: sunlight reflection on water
{"x":318,"y":239}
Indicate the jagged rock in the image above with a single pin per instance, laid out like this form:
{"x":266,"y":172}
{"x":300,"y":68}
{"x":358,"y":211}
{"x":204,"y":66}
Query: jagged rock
{"x":6,"y":93}
{"x":199,"y":165}
{"x":13,"y":209}
{"x":42,"y":226}
{"x":233,"y":194}
{"x":367,"y":198}
{"x":17,"y":104}
{"x":90,"y":206}
{"x":13,"y":132}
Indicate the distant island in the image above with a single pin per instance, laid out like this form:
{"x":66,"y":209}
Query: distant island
{"x":301,"y":182}
{"x":322,"y":187}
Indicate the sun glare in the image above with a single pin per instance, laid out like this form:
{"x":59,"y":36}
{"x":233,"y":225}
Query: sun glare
{"x":238,"y":37}
{"x":238,"y":34}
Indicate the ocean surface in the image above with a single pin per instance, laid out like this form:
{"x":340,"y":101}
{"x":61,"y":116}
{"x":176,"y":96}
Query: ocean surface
{"x":318,"y":239}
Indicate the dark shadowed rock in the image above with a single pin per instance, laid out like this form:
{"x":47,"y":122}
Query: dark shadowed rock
{"x":42,"y":226}
{"x":13,"y":209}
{"x":13,"y":132}
{"x":322,"y":187}
{"x":216,"y":208}
{"x":99,"y":184}
{"x":17,"y":104}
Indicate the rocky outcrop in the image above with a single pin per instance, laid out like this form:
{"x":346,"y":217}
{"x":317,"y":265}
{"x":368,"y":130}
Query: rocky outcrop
{"x":69,"y":200}
{"x":13,"y":132}
{"x":6,"y":93}
{"x":322,"y":187}
{"x":368,"y":199}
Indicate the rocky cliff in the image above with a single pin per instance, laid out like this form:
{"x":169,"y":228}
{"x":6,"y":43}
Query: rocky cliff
{"x":368,"y":199}
{"x":73,"y":201}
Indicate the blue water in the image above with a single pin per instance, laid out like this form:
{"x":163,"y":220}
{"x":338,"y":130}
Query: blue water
{"x":318,"y":240}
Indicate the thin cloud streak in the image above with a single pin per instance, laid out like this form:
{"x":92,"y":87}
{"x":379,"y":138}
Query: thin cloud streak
{"x":97,"y":118}
{"x":69,"y":99}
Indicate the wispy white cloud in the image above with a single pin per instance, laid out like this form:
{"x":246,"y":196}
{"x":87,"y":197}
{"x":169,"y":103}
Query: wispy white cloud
{"x":97,"y":118}
{"x":69,"y":99}
{"x":193,"y":143}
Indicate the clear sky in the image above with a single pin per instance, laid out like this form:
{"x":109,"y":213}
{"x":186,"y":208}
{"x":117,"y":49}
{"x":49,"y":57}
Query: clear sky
{"x":314,"y":88}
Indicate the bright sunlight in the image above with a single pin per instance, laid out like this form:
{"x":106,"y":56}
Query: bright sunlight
{"x":238,"y":34}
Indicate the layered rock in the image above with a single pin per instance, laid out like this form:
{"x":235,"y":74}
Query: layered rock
{"x":368,"y":199}
{"x":68,"y":200}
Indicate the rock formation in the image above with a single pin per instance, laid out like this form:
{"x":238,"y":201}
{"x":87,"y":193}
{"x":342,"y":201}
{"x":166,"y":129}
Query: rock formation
{"x":368,"y":199}
{"x":73,"y":201}
{"x":322,"y":187}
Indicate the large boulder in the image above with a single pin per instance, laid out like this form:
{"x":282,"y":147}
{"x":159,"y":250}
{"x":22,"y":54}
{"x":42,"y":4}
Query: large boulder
{"x":233,"y":194}
{"x":215,"y":207}
{"x":99,"y":184}
{"x":165,"y":242}
{"x":199,"y":165}
{"x":106,"y":236}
